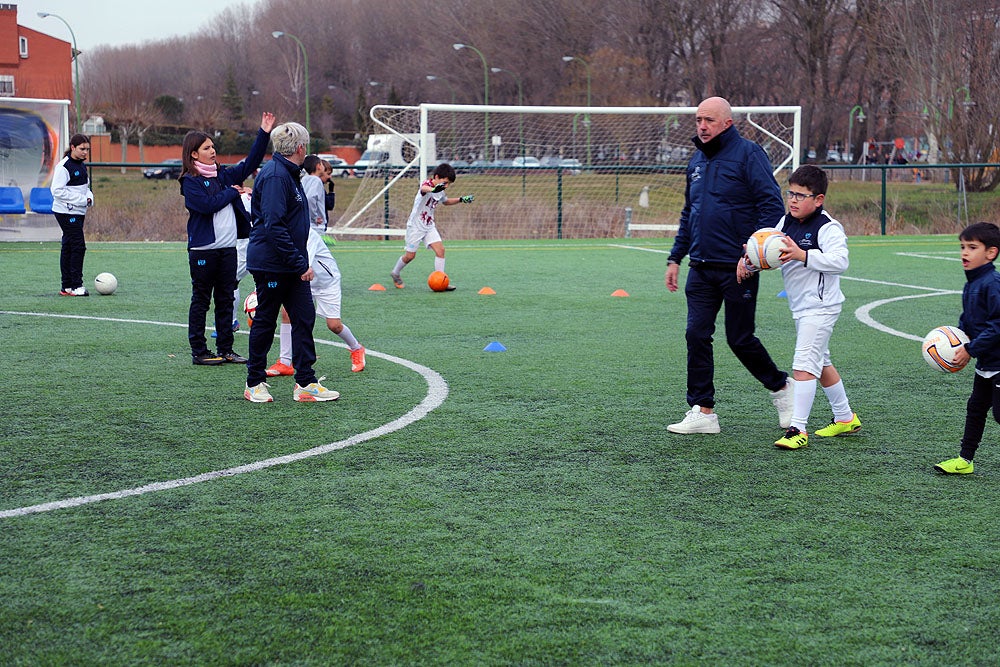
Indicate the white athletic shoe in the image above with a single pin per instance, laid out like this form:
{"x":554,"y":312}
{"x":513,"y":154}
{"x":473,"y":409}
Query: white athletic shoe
{"x":696,"y":421}
{"x":314,"y":392}
{"x":784,"y":402}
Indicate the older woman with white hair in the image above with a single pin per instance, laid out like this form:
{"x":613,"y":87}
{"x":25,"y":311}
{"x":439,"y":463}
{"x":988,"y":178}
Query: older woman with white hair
{"x":278,"y":259}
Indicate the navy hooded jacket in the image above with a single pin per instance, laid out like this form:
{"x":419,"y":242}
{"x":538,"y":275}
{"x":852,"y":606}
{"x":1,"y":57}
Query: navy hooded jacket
{"x":730,"y":194}
{"x":204,"y":197}
{"x":280,"y":232}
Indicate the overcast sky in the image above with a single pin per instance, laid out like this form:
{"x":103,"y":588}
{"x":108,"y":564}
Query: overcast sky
{"x":118,"y":22}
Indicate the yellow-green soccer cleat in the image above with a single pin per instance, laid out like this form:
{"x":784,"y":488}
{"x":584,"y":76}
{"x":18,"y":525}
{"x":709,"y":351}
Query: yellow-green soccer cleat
{"x":793,"y":439}
{"x":836,"y":428}
{"x":955,"y":466}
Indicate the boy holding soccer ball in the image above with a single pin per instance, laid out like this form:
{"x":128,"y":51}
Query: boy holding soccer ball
{"x":980,"y":320}
{"x":420,"y":226}
{"x":815,"y":255}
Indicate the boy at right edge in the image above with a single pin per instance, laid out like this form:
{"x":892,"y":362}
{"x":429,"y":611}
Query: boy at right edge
{"x":980,"y":320}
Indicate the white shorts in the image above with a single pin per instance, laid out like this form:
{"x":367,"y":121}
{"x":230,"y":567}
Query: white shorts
{"x":417,"y":234}
{"x":326,"y":287}
{"x":812,"y":342}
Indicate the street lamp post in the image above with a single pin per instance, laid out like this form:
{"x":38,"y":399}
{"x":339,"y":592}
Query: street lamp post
{"x":486,"y":96}
{"x":76,"y":65}
{"x":850,"y":127}
{"x":586,"y":117}
{"x":305,"y":60}
{"x":520,"y":103}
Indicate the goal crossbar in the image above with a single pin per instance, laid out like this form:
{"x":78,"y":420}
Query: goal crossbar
{"x":421,"y":136}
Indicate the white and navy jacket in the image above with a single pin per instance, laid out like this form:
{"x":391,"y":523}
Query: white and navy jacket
{"x":813,"y":286}
{"x":71,"y":187}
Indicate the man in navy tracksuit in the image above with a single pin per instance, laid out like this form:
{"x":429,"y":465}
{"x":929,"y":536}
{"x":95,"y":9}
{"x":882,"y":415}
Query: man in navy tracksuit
{"x":730,"y":193}
{"x":278,"y":259}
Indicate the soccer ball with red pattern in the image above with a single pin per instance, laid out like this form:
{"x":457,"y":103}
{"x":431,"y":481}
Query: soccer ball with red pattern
{"x":250,"y":307}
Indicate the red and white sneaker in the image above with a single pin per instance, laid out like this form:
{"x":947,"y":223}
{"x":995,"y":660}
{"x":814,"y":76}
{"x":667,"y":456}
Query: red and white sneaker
{"x":358,"y":360}
{"x":279,"y":368}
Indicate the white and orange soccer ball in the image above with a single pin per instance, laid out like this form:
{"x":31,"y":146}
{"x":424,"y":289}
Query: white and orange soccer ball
{"x":939,"y":348}
{"x":764,"y":248}
{"x":250,"y":307}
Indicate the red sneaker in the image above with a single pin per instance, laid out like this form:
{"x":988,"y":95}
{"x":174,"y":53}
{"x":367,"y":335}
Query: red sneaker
{"x":358,"y":360}
{"x":279,"y":368}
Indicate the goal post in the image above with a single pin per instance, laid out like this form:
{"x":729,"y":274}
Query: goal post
{"x":546,"y":171}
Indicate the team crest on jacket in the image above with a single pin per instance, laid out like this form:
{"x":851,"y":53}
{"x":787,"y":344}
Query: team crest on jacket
{"x":696,"y":174}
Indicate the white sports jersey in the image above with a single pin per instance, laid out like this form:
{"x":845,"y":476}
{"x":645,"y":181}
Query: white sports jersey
{"x":813,"y":286}
{"x":422,"y":214}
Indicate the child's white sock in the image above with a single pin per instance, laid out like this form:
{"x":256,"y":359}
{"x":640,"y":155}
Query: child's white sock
{"x":237,"y":304}
{"x":348,"y":337}
{"x":841,"y":407}
{"x":285,"y":341}
{"x":803,"y":393}
{"x":439,"y":263}
{"x":399,"y":266}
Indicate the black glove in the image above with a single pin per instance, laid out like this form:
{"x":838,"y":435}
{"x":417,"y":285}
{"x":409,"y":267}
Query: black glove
{"x":467,"y":199}
{"x":439,"y":187}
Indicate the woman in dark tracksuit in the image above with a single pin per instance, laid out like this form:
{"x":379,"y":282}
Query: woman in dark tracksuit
{"x":216,"y":219}
{"x":71,"y":196}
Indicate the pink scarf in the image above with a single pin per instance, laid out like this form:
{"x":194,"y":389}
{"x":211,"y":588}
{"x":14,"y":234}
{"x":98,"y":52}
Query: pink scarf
{"x":207,"y":170}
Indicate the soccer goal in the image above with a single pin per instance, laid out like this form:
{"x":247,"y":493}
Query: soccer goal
{"x":546,"y":171}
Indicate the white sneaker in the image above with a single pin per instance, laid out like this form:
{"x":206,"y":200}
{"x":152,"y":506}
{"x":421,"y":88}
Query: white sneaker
{"x":696,"y":421}
{"x":258,"y":393}
{"x":314,"y":392}
{"x":784,"y":402}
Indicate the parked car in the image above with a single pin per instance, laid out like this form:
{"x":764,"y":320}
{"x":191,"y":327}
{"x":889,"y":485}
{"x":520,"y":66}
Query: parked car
{"x":169,"y":169}
{"x":339,"y":166}
{"x":373,"y":159}
{"x":571,"y":165}
{"x":529,"y":161}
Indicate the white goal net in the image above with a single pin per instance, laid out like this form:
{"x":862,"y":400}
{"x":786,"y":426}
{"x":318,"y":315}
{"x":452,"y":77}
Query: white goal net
{"x":546,"y":172}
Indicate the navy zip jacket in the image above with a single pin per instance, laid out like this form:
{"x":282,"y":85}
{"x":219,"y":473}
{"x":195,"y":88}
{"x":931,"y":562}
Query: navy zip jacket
{"x":280,"y":231}
{"x":204,"y":197}
{"x":980,"y":319}
{"x":730,"y":194}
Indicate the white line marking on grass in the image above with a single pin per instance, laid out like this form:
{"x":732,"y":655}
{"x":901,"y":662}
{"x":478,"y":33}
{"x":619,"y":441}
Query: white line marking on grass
{"x":864,"y":316}
{"x":633,"y":247}
{"x":924,"y":256}
{"x":863,"y":313}
{"x":437,"y":391}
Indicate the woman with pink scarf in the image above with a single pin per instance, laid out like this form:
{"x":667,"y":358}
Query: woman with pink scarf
{"x":216,"y":219}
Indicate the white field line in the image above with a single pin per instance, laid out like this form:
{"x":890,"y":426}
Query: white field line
{"x":863,"y":313}
{"x":437,"y":391}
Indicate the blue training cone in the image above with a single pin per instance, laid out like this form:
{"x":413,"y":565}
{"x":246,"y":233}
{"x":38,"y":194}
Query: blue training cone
{"x":782,"y":294}
{"x":495,"y":346}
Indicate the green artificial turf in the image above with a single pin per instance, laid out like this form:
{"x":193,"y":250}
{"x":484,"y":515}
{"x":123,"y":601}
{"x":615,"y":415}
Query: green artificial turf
{"x":541,"y":515}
